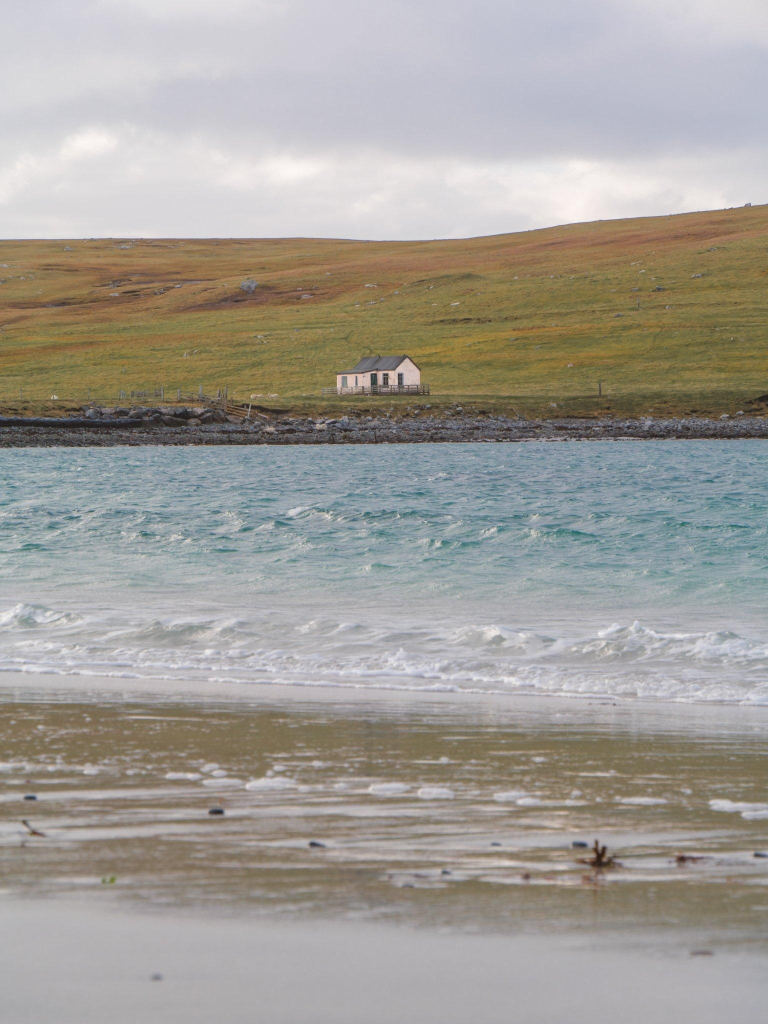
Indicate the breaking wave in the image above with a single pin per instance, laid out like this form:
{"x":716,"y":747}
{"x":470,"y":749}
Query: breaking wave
{"x":620,"y":661}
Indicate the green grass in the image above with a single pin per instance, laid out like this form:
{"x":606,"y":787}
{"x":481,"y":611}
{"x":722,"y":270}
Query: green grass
{"x":542,"y":316}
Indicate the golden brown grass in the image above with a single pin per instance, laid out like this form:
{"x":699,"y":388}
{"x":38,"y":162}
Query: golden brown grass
{"x":526,"y":319}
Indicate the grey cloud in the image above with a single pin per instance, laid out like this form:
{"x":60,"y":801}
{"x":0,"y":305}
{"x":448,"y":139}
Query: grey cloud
{"x":494,"y":81}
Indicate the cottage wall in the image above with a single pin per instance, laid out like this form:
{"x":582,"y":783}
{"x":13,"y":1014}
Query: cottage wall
{"x":408,"y":368}
{"x":411,"y":373}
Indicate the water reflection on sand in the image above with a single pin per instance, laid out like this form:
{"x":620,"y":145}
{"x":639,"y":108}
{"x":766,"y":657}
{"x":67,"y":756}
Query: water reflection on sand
{"x":453,"y":813}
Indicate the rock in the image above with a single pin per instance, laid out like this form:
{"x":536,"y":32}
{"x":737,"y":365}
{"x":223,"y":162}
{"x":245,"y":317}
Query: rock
{"x":31,"y":796}
{"x":315,"y":844}
{"x":761,"y":853}
{"x":658,"y":288}
{"x":697,"y":275}
{"x":249,"y":285}
{"x":218,"y":811}
{"x":579,"y":844}
{"x":173,"y":421}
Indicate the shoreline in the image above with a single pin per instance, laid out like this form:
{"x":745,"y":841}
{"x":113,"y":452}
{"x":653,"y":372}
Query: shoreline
{"x":149,"y":429}
{"x":633,"y":713}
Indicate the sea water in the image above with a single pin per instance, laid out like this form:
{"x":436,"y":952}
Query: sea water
{"x":630,"y":569}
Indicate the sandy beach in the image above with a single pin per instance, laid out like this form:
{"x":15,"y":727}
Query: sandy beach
{"x":424,"y":838}
{"x":75,"y":963}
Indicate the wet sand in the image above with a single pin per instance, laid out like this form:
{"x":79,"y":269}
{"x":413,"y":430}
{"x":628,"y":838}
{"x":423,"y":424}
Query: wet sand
{"x":68,"y":963}
{"x":384,"y":856}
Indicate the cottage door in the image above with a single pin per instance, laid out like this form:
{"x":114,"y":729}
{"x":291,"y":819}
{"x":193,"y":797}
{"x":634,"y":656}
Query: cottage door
{"x":374,"y":380}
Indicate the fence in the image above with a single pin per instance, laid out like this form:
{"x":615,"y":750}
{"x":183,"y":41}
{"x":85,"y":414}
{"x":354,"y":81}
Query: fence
{"x":381,"y":389}
{"x":147,"y":395}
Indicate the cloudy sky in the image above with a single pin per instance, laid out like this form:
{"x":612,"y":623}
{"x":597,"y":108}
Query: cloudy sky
{"x":385,"y":119}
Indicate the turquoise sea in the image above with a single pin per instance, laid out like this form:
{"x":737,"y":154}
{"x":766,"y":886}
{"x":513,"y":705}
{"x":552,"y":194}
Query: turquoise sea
{"x":630,"y":569}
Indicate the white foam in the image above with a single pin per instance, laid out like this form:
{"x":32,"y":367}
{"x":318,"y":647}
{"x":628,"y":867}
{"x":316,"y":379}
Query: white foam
{"x":755,"y":811}
{"x":179,"y":776}
{"x":510,"y":796}
{"x":228,"y":783}
{"x":268,"y":782}
{"x":435,"y":793}
{"x":388,"y":788}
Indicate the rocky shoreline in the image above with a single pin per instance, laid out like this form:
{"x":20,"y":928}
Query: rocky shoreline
{"x":208,"y":426}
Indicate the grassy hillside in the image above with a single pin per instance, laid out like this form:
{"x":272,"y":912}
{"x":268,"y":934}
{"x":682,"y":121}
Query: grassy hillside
{"x":531,"y":318}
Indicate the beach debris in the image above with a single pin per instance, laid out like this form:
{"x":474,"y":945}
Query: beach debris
{"x":109,"y":880}
{"x":216,"y":811}
{"x":315,"y":844}
{"x":30,"y":796}
{"x":32,"y":831}
{"x":681,"y":859}
{"x":600,"y":858}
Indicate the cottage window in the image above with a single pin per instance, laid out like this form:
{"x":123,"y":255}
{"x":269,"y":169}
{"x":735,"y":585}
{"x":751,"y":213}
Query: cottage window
{"x":355,"y":381}
{"x":344,"y":382}
{"x":385,"y":379}
{"x":400,"y":380}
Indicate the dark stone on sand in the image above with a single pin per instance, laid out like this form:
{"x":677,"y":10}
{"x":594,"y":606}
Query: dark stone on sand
{"x":579,"y":844}
{"x":30,"y":796}
{"x":495,"y":844}
{"x":216,"y":810}
{"x":316,"y":844}
{"x":761,"y":853}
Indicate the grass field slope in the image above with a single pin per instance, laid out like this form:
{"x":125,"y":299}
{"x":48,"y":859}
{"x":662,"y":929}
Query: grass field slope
{"x":669,"y":313}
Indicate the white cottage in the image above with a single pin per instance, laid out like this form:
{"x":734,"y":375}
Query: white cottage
{"x":381,"y":375}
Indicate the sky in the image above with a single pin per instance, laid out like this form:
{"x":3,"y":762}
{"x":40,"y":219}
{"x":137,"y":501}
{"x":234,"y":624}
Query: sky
{"x":386,"y":119}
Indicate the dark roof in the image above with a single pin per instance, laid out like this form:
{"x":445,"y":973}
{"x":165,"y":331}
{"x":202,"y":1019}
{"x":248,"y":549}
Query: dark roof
{"x":377,"y":363}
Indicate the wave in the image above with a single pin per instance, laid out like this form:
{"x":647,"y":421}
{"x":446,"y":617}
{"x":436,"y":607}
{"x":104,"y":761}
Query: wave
{"x":632,"y":661}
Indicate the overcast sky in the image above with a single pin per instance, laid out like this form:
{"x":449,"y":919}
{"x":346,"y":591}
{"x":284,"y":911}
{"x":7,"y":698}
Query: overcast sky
{"x":385,"y":119}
